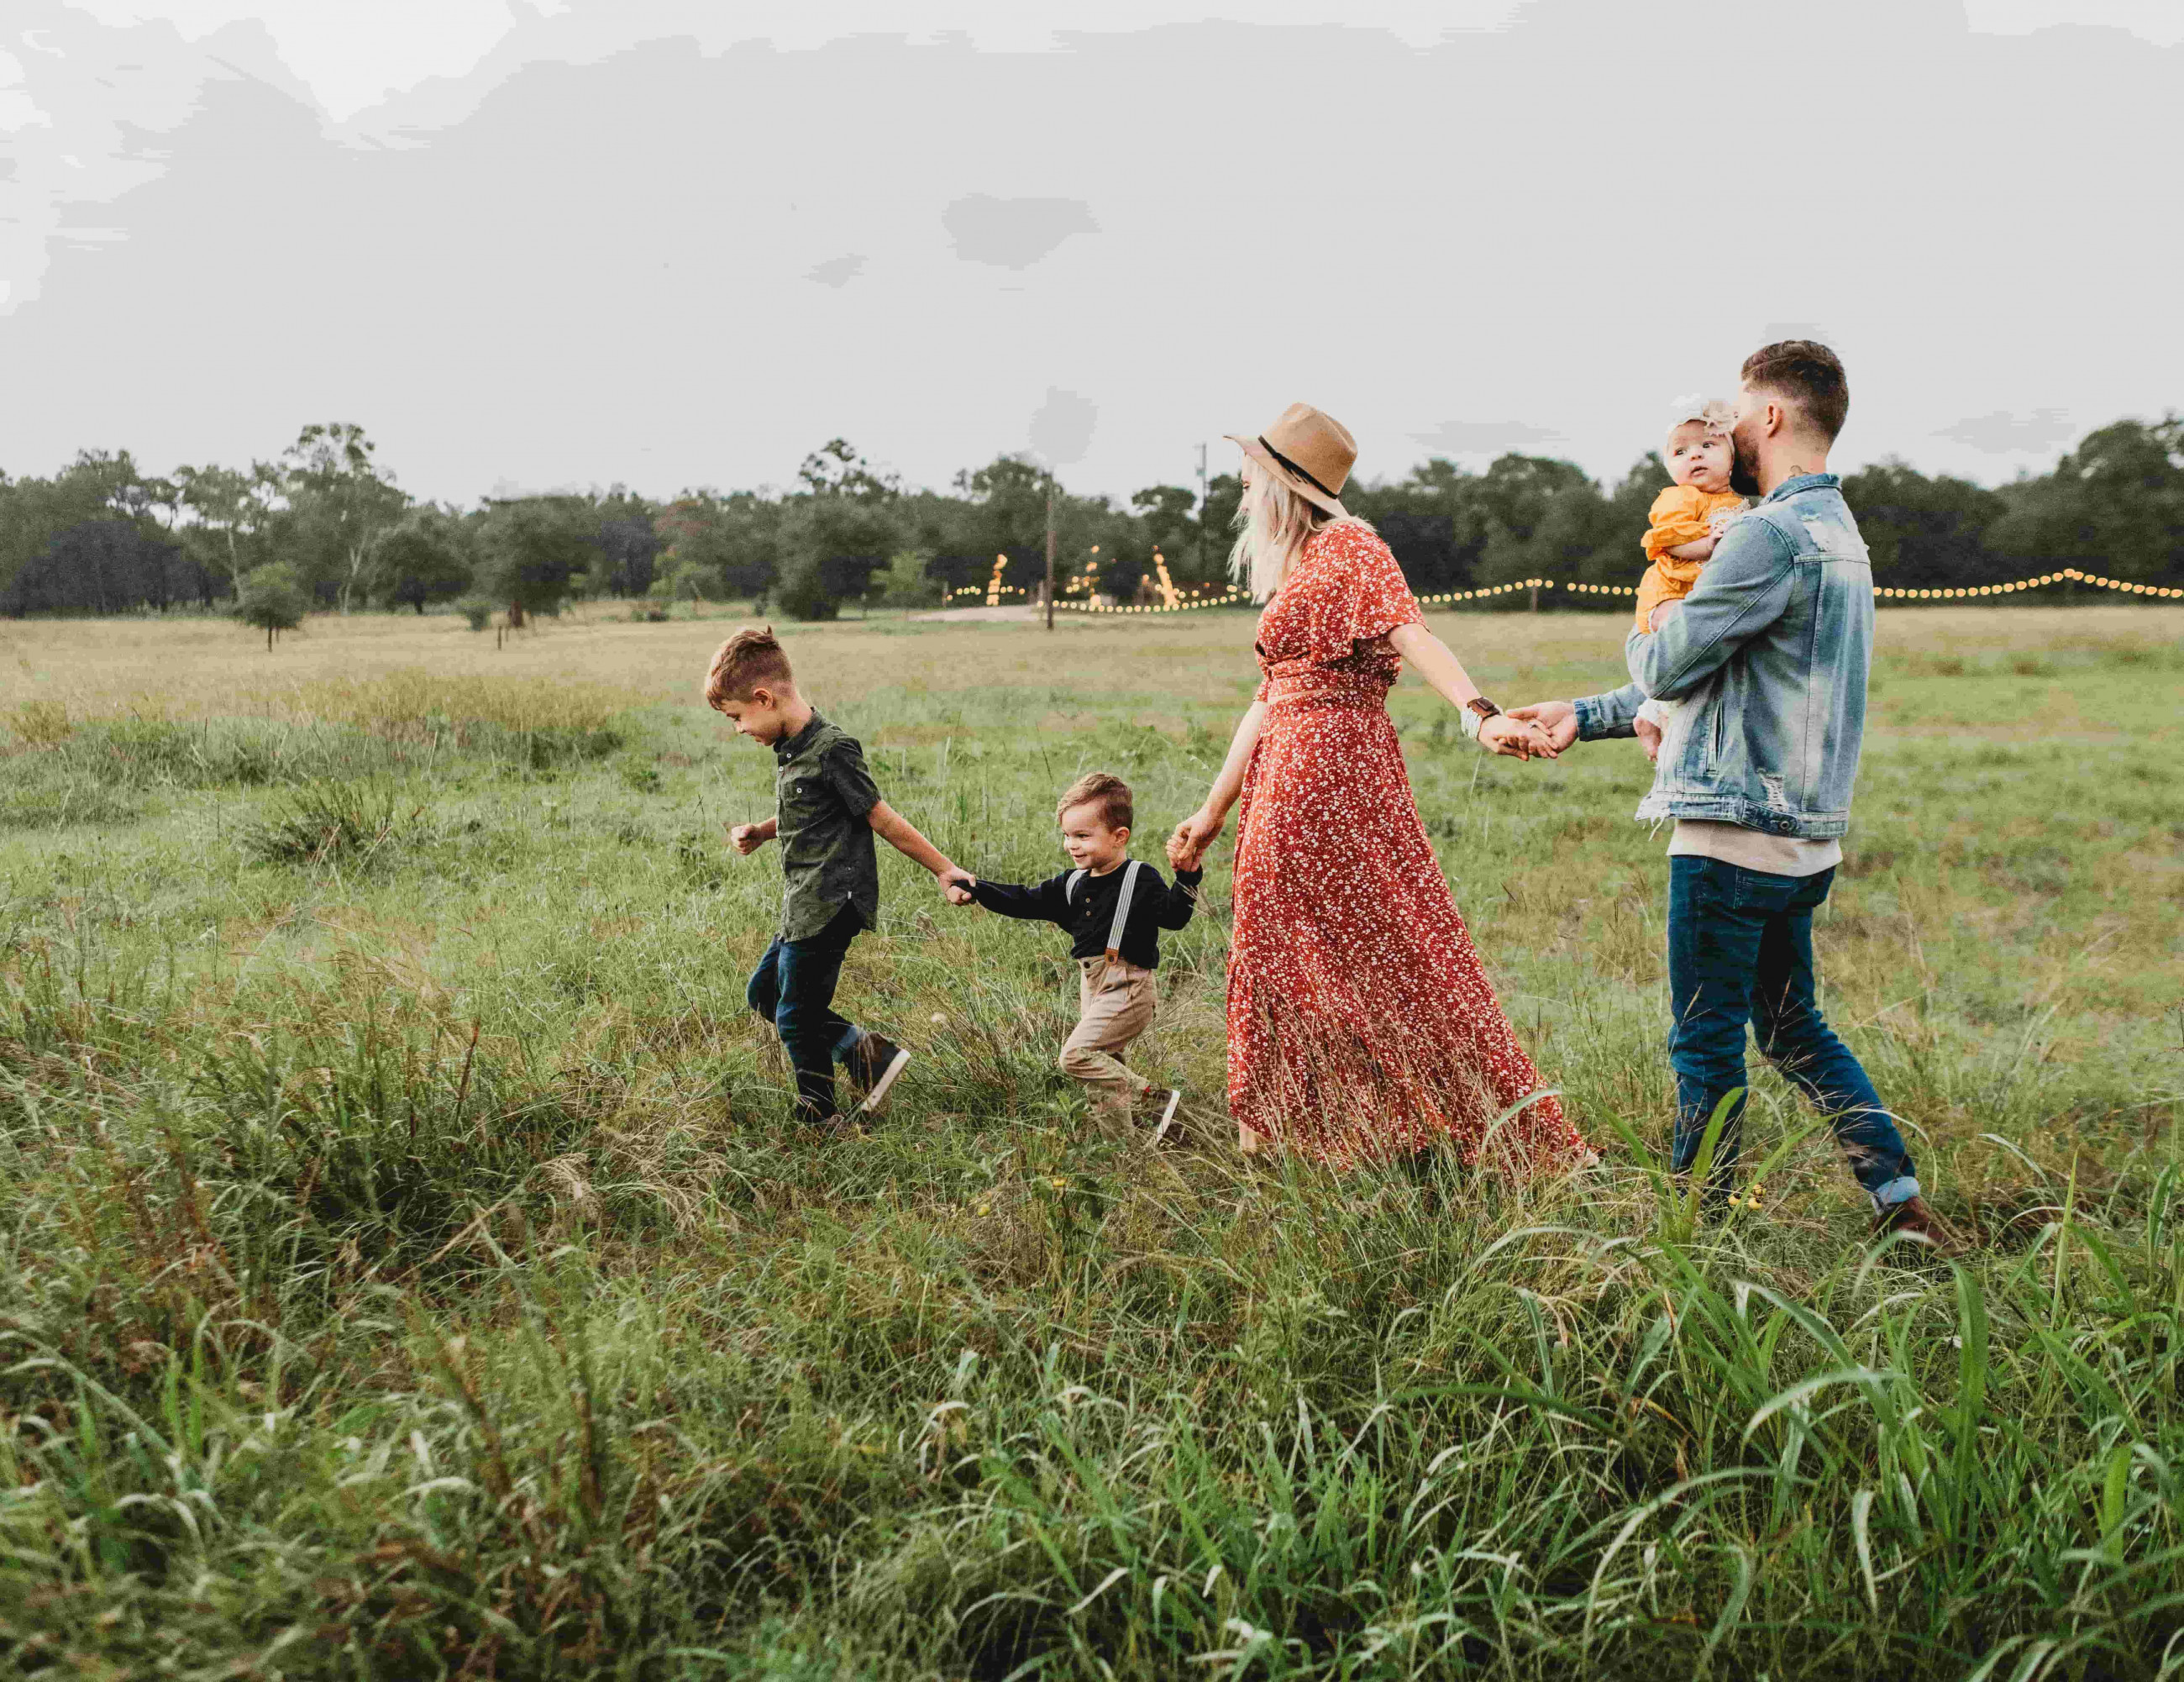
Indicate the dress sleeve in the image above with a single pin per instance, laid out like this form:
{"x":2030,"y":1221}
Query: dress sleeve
{"x":1383,"y":599}
{"x":1678,"y":517}
{"x":1348,"y":593}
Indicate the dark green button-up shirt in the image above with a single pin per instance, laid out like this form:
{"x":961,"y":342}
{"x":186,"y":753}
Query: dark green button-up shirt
{"x":823,"y":795}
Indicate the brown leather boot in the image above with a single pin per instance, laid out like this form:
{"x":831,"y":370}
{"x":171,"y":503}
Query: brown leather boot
{"x":1911,"y":1215}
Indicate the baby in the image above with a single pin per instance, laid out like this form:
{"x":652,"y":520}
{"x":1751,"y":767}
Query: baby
{"x":1681,"y":530}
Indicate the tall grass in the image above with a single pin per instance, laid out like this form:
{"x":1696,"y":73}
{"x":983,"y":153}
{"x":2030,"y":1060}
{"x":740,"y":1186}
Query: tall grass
{"x":409,"y":1272}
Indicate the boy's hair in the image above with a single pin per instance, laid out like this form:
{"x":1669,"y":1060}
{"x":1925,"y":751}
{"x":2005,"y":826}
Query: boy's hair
{"x":1809,"y":375}
{"x":746,"y":661}
{"x":1096,"y":788}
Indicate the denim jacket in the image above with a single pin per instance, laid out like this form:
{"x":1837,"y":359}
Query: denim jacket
{"x":1768,"y":654}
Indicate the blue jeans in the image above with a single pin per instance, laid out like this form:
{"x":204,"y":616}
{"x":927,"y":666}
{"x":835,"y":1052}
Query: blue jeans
{"x":1741,"y":949}
{"x":793,"y":987}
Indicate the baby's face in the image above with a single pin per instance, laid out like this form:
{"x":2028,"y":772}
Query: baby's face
{"x":1699,"y":458}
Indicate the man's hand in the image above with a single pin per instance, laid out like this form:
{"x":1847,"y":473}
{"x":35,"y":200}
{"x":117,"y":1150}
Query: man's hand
{"x":1649,"y":738}
{"x":956,"y":883}
{"x":1557,"y":718}
{"x":1518,"y":738}
{"x":747,"y":837}
{"x":1661,"y":614}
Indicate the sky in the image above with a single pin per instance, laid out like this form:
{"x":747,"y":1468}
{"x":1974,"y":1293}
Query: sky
{"x":672,"y":243}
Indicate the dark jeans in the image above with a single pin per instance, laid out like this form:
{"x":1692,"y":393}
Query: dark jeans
{"x":1741,"y":949}
{"x":793,"y":987}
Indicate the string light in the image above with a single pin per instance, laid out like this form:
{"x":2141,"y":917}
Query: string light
{"x":2069,"y":574}
{"x":1178,"y":603}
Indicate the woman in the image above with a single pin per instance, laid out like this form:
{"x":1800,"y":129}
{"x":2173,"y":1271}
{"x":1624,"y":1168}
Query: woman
{"x":1360,"y":1023}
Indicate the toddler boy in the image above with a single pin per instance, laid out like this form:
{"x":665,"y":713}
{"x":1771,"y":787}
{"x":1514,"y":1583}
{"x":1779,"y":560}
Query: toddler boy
{"x":1114,"y":909}
{"x":826,"y":811}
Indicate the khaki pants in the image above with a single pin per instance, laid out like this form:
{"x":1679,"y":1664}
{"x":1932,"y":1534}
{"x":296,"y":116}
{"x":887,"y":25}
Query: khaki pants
{"x":1115,"y":1005}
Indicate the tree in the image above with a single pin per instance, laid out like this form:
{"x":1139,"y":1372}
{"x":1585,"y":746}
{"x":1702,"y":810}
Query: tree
{"x":271,"y":598}
{"x":805,"y":592}
{"x":832,"y":545}
{"x":534,"y":550}
{"x":835,"y":469}
{"x":422,"y":558}
{"x":836,"y":532}
{"x":733,"y":543}
{"x":229,"y":506}
{"x":629,"y":545}
{"x":101,"y":566}
{"x":2114,"y":504}
{"x":337,"y":501}
{"x":1167,"y":517}
{"x":905,"y":583}
{"x":1425,"y":549}
{"x":1922,"y":533}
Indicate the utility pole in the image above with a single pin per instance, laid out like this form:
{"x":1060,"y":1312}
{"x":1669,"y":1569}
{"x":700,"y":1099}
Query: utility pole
{"x":1050,"y":551}
{"x":1201,"y":511}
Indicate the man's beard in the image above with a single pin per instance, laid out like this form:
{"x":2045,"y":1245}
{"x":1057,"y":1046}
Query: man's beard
{"x":1743,"y":469}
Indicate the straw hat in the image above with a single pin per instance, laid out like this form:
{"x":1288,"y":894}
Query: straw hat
{"x":1310,"y":452}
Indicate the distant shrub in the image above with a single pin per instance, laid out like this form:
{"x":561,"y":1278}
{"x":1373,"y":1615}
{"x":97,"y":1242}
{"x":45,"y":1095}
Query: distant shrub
{"x":349,"y":823}
{"x":476,"y":610}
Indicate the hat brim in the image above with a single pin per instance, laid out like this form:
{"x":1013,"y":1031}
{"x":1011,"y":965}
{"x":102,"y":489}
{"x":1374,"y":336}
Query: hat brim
{"x":1311,"y":494}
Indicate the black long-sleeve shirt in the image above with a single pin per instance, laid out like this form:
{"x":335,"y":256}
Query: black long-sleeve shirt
{"x":1088,"y":915}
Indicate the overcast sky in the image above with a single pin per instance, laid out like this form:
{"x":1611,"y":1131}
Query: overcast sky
{"x":675,"y":242}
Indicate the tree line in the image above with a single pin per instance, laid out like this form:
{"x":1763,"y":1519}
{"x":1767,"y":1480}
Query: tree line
{"x":324,"y":527}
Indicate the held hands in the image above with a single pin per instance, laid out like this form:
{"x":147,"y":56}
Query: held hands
{"x":1518,"y":738}
{"x":956,"y":883}
{"x":1192,"y":836}
{"x":1558,"y":719}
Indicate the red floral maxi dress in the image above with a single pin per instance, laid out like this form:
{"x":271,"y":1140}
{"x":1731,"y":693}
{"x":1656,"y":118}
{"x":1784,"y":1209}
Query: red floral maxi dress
{"x":1360,"y":1022}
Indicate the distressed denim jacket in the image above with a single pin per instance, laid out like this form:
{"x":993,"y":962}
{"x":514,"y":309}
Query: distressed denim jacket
{"x":1769,"y":652}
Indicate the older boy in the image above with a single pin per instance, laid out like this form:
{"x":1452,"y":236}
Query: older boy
{"x":827,"y":812}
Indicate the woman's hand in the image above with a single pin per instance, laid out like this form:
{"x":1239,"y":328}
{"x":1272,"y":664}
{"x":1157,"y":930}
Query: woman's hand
{"x":1192,"y":836}
{"x":1518,"y":738}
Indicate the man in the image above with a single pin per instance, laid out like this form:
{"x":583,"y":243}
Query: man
{"x":1769,"y":652}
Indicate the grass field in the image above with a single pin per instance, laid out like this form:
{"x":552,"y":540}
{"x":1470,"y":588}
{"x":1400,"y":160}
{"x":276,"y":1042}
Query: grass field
{"x":406,"y":1272}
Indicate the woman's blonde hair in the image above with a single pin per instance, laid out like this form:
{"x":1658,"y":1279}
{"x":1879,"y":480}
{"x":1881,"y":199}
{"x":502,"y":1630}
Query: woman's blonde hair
{"x":1271,"y":529}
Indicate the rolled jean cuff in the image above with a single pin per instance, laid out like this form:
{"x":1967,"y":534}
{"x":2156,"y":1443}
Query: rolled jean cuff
{"x":1900,"y":1189}
{"x":848,"y":1043}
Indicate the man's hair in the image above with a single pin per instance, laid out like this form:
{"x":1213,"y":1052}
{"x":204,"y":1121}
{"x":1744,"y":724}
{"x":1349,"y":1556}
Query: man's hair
{"x":1809,"y":376}
{"x":1096,"y":788}
{"x":743,"y":662}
